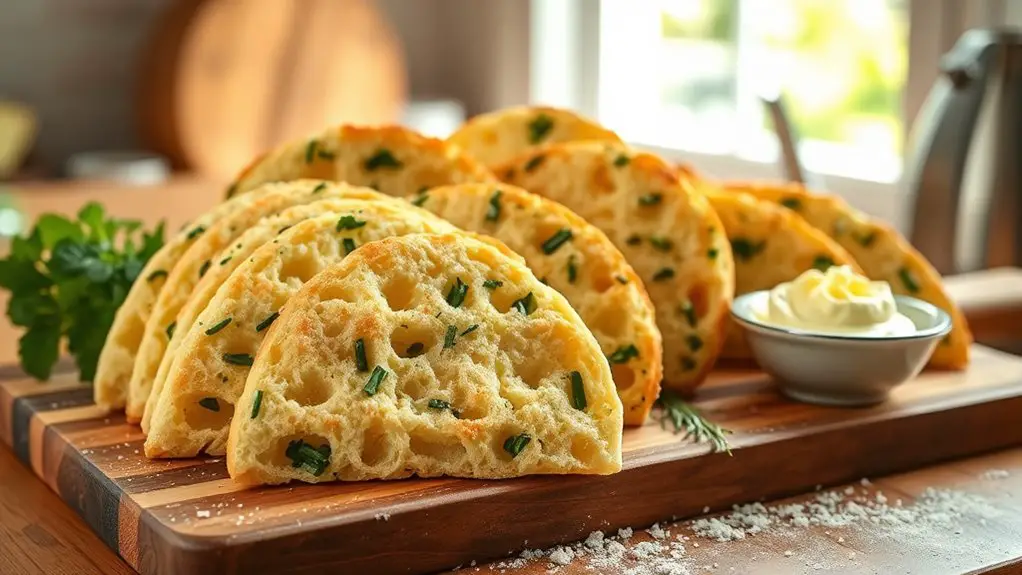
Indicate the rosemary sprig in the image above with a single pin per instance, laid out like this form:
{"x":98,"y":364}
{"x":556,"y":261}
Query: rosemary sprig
{"x":684,"y":417}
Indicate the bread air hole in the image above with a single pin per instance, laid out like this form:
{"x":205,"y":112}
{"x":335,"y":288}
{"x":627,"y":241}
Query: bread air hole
{"x":503,"y":296}
{"x":601,"y":276}
{"x":583,"y":449}
{"x":399,"y":290}
{"x":311,"y":388}
{"x":415,"y":386}
{"x":375,"y":447}
{"x":436,"y":446}
{"x":206,"y":412}
{"x":624,"y":376}
{"x":412,"y":341}
{"x":608,"y":320}
{"x":300,"y":266}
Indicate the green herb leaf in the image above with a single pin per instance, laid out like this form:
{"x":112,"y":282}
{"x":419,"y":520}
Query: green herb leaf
{"x":283,"y":229}
{"x":663,"y":274}
{"x":361,"y":363}
{"x":572,"y":269}
{"x":516,"y":444}
{"x":492,"y":284}
{"x":242,"y":359}
{"x":310,"y":151}
{"x":375,"y":379}
{"x":349,"y":222}
{"x":325,"y":155}
{"x":268,"y":321}
{"x":661,"y":243}
{"x":218,"y":326}
{"x":156,"y":275}
{"x":224,"y":261}
{"x":231,"y":190}
{"x":556,"y":241}
{"x":170,"y":329}
{"x":909,"y":279}
{"x":621,"y":279}
{"x":420,"y":200}
{"x":792,"y":203}
{"x":493,"y":212}
{"x":688,"y":364}
{"x":684,"y":417}
{"x":415,"y":350}
{"x":204,"y":268}
{"x":210,"y":403}
{"x":439,"y":404}
{"x":319,"y":187}
{"x":695,"y":343}
{"x":196,"y":232}
{"x":449,"y":336}
{"x":621,"y":161}
{"x":382,"y":159}
{"x":257,"y":402}
{"x":349,"y":245}
{"x":822,"y":262}
{"x":539,"y":128}
{"x":745,"y":249}
{"x":633,"y":240}
{"x":456,"y":296}
{"x":623,"y":354}
{"x":311,"y":459}
{"x":865,"y":240}
{"x":469,"y":329}
{"x":38,"y":349}
{"x":651,"y":199}
{"x":578,"y":391}
{"x":712,"y":253}
{"x":689,"y":311}
{"x":525,"y":305}
{"x":533,"y":163}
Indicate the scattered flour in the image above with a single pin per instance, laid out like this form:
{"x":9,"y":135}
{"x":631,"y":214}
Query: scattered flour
{"x":382,"y":517}
{"x":658,"y":557}
{"x":202,"y":513}
{"x":996,"y":474}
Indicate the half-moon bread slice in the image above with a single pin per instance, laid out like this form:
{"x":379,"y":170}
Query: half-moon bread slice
{"x":401,"y":361}
{"x":498,"y":137}
{"x":391,"y":159}
{"x":208,"y":372}
{"x":578,"y":260}
{"x":666,"y":231}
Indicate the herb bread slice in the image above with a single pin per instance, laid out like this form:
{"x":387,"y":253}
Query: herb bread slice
{"x":400,"y":361}
{"x":665,"y":230}
{"x":391,"y":159}
{"x":498,"y":137}
{"x":578,"y":260}
{"x":208,"y":371}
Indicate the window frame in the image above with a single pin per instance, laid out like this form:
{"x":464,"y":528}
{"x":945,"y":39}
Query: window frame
{"x":565,"y":36}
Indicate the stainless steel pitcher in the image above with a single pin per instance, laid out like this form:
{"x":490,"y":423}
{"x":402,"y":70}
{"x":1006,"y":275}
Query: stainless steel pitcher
{"x":964,"y":161}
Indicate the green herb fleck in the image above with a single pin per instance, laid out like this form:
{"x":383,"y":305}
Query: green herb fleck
{"x":685,"y":417}
{"x":349,"y":222}
{"x":621,"y":279}
{"x":621,"y":161}
{"x":556,"y":241}
{"x":745,"y":249}
{"x":492,"y":284}
{"x":283,"y":229}
{"x":439,"y":404}
{"x":218,"y":326}
{"x":456,"y":296}
{"x":224,"y":261}
{"x":525,"y":305}
{"x":325,"y":154}
{"x":375,"y":379}
{"x":231,"y":190}
{"x":633,"y":240}
{"x":651,"y":199}
{"x":516,"y":444}
{"x":310,"y":151}
{"x":688,"y":364}
{"x":449,"y":336}
{"x":319,"y":187}
{"x":572,"y":269}
{"x":689,"y":311}
{"x":268,"y":321}
{"x":349,"y":245}
{"x":242,"y":359}
{"x":792,"y":203}
{"x":360,"y":355}
{"x":210,"y":403}
{"x":196,"y":232}
{"x":257,"y":403}
{"x":311,"y":459}
{"x":623,"y":354}
{"x":204,"y":268}
{"x":695,"y":343}
{"x":469,"y":329}
{"x":533,"y":163}
{"x":156,"y":274}
{"x":382,"y":159}
{"x":907,"y":278}
{"x":539,"y":128}
{"x":420,"y":199}
{"x":822,"y":262}
{"x":493,"y":212}
{"x":170,"y":329}
{"x":865,"y":240}
{"x":578,"y":391}
{"x":712,"y":253}
{"x":663,"y":274}
{"x":415,"y":350}
{"x":661,"y":243}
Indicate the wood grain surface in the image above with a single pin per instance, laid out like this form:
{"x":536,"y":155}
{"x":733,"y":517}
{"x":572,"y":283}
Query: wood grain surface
{"x":187,"y":516}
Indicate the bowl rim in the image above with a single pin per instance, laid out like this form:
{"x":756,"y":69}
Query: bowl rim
{"x":942,"y":326}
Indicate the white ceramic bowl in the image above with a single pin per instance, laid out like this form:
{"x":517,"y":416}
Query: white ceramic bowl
{"x":844,"y":370}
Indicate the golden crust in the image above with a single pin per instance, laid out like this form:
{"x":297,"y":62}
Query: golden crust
{"x":447,"y":405}
{"x":881,"y":251}
{"x":391,"y":159}
{"x":498,"y":137}
{"x":665,"y":230}
{"x":586,"y":269}
{"x":258,"y":288}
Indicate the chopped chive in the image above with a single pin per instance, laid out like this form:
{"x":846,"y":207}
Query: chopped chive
{"x":420,"y":199}
{"x":257,"y":403}
{"x":578,"y":391}
{"x":377,"y":377}
{"x":556,"y":241}
{"x":651,"y":199}
{"x":492,"y":284}
{"x":516,"y":443}
{"x":242,"y":359}
{"x":224,"y":261}
{"x":349,"y":222}
{"x":231,"y":190}
{"x":210,"y":403}
{"x":439,"y":404}
{"x":689,"y":311}
{"x":911,"y":284}
{"x":493,"y":212}
{"x":688,"y":364}
{"x":204,"y":268}
{"x":623,"y":353}
{"x":382,"y":159}
{"x":449,"y":336}
{"x":170,"y":329}
{"x":360,"y":355}
{"x":661,"y":243}
{"x":822,"y":262}
{"x":633,"y":240}
{"x":694,"y":342}
{"x":325,"y":154}
{"x":156,"y":274}
{"x":525,"y":305}
{"x":712,"y":253}
{"x":218,"y":326}
{"x":539,"y":128}
{"x":456,"y":296}
{"x":469,"y":329}
{"x":621,"y":279}
{"x":865,"y":240}
{"x":534,"y":163}
{"x":283,"y":229}
{"x":349,"y":245}
{"x":304,"y":456}
{"x":196,"y":232}
{"x":572,"y":269}
{"x":319,"y":188}
{"x":746,"y":249}
{"x":268,"y":321}
{"x":792,"y":203}
{"x":310,"y":151}
{"x":415,"y":350}
{"x":621,"y":161}
{"x":663,"y":274}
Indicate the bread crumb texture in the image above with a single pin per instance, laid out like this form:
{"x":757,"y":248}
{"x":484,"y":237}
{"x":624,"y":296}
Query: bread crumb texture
{"x":399,"y":361}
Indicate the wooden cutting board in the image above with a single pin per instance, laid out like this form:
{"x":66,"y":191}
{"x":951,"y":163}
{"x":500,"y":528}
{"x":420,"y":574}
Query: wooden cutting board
{"x":187,"y":516}
{"x":224,"y":80}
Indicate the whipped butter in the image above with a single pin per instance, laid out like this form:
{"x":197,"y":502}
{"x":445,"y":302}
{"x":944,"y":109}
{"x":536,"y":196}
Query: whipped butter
{"x":838,"y":301}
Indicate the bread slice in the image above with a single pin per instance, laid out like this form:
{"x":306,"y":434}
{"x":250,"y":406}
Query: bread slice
{"x":881,"y":251}
{"x":485,"y":388}
{"x":117,"y":358}
{"x":666,"y":231}
{"x":390,"y":159}
{"x":214,"y":356}
{"x":770,"y":245}
{"x":578,"y":260}
{"x":200,"y":257}
{"x":254,"y":237}
{"x":498,"y":137}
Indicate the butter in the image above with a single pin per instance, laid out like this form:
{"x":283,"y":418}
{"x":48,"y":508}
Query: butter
{"x":839,"y":302}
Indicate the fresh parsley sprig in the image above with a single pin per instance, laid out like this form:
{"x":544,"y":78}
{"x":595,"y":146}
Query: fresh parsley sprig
{"x":67,"y":278}
{"x":684,"y":417}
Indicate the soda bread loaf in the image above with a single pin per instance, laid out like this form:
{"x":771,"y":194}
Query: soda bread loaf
{"x":578,"y":260}
{"x":390,"y":159}
{"x":666,"y":231}
{"x":498,"y":137}
{"x":408,"y":359}
{"x":880,"y":250}
{"x":203,"y":254}
{"x":212,"y":361}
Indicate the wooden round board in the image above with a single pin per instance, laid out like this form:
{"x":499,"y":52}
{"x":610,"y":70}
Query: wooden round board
{"x":227,"y":79}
